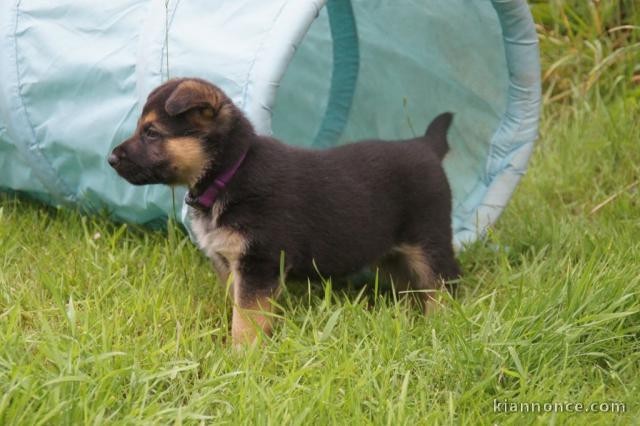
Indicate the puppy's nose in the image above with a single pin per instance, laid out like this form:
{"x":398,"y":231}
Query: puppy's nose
{"x":113,"y":159}
{"x":116,"y":155}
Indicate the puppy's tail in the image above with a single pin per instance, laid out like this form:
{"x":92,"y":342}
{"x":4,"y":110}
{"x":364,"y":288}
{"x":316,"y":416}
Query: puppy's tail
{"x":436,"y":134}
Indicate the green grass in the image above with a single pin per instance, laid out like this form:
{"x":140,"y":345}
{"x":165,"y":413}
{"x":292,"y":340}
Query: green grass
{"x":101,"y":323}
{"x":104,"y":323}
{"x":589,"y":48}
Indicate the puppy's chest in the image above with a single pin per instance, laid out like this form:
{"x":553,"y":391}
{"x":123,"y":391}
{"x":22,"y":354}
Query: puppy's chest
{"x":216,"y":240}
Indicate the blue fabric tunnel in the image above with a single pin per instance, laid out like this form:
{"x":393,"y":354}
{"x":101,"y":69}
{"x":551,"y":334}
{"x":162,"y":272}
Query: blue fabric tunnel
{"x":74,"y":77}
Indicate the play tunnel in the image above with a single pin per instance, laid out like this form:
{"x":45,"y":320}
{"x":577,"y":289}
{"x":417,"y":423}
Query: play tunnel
{"x":75,"y":74}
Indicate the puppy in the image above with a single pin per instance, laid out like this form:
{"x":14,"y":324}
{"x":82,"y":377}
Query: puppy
{"x":253,"y":197}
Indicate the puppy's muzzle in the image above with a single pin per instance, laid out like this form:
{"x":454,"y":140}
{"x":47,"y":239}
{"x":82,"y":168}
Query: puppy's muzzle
{"x":116,"y":156}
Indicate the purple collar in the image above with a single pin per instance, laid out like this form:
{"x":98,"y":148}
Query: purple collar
{"x":208,"y":197}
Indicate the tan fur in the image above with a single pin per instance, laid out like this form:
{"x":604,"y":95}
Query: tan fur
{"x":187,"y":157}
{"x":228,"y":243}
{"x":149,"y":117}
{"x":203,"y":93}
{"x":219,"y":262}
{"x":418,"y":264}
{"x":223,"y":119}
{"x":249,"y":317}
{"x":208,"y":113}
{"x":251,"y":311}
{"x":208,"y":92}
{"x":201,"y":118}
{"x":218,"y":241}
{"x":221,"y":241}
{"x":423,"y":277}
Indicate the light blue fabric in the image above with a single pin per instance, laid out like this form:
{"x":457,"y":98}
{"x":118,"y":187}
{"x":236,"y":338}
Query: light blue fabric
{"x":344,"y":75}
{"x":74,"y":77}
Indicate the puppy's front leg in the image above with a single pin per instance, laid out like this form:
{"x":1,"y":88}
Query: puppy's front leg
{"x":252,"y":308}
{"x":221,"y":267}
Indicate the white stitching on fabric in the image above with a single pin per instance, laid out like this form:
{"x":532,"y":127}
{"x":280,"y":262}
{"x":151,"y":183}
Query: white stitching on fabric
{"x":245,"y":89}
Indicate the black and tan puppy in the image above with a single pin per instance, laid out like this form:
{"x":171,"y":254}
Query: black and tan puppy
{"x":252,"y":197}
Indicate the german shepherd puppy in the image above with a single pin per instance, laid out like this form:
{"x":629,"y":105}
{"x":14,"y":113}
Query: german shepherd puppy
{"x":252,"y":197}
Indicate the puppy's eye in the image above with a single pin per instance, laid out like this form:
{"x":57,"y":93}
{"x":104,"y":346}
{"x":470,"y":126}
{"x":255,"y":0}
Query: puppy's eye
{"x":151,"y":133}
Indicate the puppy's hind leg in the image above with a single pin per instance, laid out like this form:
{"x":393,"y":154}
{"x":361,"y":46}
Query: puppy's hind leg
{"x":393,"y":270}
{"x":445,"y":266}
{"x":429,"y":272}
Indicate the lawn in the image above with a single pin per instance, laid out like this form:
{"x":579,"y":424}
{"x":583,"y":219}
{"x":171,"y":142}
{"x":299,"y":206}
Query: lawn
{"x":106,"y":323}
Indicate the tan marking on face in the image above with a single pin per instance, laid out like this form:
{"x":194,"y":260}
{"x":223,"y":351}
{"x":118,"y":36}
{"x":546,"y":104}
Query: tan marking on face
{"x":187,"y":157}
{"x":149,"y":117}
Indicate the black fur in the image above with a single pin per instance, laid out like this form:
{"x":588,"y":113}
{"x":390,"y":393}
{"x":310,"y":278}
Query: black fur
{"x":343,"y":208}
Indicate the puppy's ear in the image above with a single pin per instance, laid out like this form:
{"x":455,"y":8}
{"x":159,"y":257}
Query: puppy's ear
{"x":192,"y":94}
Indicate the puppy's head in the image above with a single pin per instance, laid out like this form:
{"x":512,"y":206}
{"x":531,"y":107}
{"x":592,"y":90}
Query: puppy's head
{"x":178,"y":136}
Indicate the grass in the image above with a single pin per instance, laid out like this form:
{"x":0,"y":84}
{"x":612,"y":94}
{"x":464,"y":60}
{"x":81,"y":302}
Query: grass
{"x":588,"y":48}
{"x":101,"y":323}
